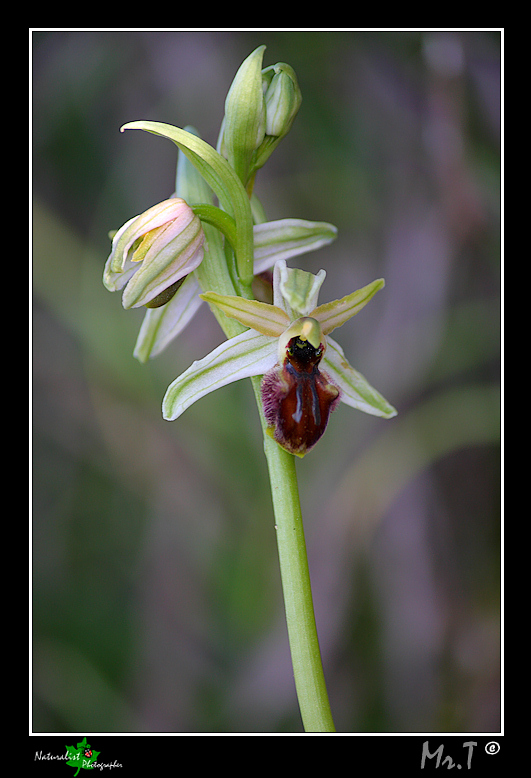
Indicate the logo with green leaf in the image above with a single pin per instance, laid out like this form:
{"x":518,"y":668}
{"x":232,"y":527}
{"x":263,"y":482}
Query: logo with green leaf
{"x":82,"y":757}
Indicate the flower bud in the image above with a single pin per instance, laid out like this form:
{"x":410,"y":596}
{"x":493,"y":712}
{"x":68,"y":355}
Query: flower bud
{"x":282,"y":98}
{"x":153,"y":252}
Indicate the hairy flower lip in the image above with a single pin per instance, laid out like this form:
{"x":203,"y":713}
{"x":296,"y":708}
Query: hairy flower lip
{"x":298,"y":397}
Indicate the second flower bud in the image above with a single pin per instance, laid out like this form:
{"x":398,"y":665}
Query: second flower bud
{"x":153,"y":252}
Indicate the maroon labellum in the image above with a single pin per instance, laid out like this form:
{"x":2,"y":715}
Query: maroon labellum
{"x":298,"y":398}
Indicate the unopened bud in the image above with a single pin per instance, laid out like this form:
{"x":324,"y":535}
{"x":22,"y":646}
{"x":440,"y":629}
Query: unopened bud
{"x":152,"y":252}
{"x":282,"y":98}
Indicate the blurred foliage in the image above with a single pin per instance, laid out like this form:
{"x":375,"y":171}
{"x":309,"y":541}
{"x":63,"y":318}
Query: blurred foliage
{"x":157,"y":603}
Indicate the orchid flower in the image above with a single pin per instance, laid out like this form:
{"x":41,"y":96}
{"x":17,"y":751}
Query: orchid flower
{"x":287,"y":342}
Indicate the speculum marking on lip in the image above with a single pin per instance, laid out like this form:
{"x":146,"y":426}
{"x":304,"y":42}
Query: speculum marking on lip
{"x":298,"y":398}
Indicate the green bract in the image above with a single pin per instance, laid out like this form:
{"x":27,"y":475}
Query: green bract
{"x":245,"y":115}
{"x":221,"y":178}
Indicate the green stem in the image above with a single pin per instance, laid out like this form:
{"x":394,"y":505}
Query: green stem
{"x":295,"y":575}
{"x":209,"y":214}
{"x":219,"y":219}
{"x":298,"y":603}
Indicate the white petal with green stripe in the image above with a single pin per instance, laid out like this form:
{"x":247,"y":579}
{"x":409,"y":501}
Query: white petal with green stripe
{"x":288,"y":238}
{"x":161,"y":325}
{"x":243,"y":356}
{"x":335,"y":314}
{"x":300,"y":289}
{"x":356,"y":391}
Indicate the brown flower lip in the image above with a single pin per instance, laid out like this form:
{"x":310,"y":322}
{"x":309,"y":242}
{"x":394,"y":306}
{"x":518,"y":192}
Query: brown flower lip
{"x":298,"y":398}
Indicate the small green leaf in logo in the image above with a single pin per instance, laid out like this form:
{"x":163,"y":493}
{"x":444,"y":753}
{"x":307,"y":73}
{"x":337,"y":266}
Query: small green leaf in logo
{"x":82,"y":756}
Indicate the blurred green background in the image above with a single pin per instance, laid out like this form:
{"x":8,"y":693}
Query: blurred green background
{"x":157,"y":602}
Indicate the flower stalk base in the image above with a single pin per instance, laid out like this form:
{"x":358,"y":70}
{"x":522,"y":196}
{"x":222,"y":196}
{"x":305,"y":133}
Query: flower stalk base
{"x":296,"y":586}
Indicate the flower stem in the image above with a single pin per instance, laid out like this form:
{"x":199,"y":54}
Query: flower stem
{"x":298,"y":603}
{"x":219,"y":219}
